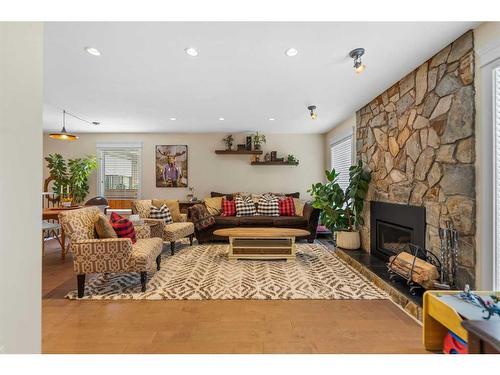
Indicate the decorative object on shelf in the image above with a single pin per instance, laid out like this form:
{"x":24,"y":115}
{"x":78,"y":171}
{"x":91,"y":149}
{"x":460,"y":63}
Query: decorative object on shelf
{"x":341,"y":211}
{"x":71,"y":178}
{"x":258,"y":139}
{"x":171,"y":166}
{"x":274,"y":154}
{"x":313,"y":114}
{"x":228,"y":141}
{"x":63,"y":134}
{"x":267,"y":157}
{"x":190,"y":194}
{"x":356,"y":54}
{"x":292,"y":159}
{"x":241,"y":147}
{"x":248,"y":141}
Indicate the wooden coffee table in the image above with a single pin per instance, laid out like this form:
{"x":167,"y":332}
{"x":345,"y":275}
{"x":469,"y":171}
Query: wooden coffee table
{"x":261,"y":243}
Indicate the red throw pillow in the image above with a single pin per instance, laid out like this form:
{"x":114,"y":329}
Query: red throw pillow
{"x":287,"y":207}
{"x":123,"y":227}
{"x":228,"y":207}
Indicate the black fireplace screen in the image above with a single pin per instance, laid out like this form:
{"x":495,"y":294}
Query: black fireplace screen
{"x":393,"y":238}
{"x":393,"y":226}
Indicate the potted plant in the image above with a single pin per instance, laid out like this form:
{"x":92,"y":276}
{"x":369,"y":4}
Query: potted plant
{"x":341,"y":211}
{"x":228,"y":140}
{"x":71,"y":178}
{"x":257,"y":140}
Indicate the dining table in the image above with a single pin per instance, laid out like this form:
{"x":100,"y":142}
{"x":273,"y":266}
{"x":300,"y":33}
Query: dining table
{"x":52,"y":213}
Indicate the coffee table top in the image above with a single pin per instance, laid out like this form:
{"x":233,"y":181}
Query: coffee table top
{"x":261,"y":232}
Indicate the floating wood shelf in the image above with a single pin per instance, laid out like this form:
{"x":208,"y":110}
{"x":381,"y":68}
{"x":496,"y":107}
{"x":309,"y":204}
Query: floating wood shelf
{"x":239,"y":152}
{"x":273,"y":163}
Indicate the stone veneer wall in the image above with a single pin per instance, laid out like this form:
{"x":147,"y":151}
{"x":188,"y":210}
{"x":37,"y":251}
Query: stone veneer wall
{"x":417,"y":138}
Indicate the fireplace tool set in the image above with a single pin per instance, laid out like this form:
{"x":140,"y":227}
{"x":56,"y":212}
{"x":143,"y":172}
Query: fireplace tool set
{"x":449,"y":240}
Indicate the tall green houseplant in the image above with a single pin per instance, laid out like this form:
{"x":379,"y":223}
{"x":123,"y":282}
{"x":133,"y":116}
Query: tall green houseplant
{"x":341,"y":210}
{"x":71,"y":175}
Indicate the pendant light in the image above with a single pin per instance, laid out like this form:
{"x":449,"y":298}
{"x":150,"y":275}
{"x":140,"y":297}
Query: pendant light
{"x":64,"y":135}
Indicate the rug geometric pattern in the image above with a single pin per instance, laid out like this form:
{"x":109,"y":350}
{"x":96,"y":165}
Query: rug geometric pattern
{"x":202,"y":272}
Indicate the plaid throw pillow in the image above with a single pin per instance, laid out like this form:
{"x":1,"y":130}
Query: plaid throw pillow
{"x":123,"y":227}
{"x":161,"y":213}
{"x":245,"y":206}
{"x":228,"y":207}
{"x":268,"y":205}
{"x":286,"y":207}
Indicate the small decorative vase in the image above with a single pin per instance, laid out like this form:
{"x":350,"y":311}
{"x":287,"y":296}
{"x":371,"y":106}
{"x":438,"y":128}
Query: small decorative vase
{"x":256,"y":146}
{"x":348,"y":240}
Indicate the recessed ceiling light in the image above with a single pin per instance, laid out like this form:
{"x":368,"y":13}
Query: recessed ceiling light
{"x":173,"y":118}
{"x":191,"y":51}
{"x":93,"y":51}
{"x":221,"y":119}
{"x":291,"y":52}
{"x":271,"y":119}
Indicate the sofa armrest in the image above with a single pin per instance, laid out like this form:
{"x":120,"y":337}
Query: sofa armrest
{"x":184,"y":218}
{"x":156,"y":230}
{"x":312,"y":215}
{"x":94,"y":255}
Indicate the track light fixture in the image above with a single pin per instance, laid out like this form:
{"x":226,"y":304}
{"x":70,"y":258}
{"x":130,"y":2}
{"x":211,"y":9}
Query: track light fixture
{"x":313,"y":114}
{"x":356,"y":54}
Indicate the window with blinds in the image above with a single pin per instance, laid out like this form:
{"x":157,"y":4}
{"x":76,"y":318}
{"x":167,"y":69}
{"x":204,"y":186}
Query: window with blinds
{"x":120,"y":171}
{"x":496,"y":85}
{"x":341,"y":160}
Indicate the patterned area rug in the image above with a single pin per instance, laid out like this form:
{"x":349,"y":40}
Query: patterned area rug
{"x":203,"y":272}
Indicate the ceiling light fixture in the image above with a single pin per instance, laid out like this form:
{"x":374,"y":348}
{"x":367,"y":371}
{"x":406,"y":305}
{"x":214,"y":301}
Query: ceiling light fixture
{"x":356,"y":54}
{"x":221,"y":118}
{"x":313,"y":114}
{"x":271,"y":119}
{"x":93,"y":51}
{"x":173,"y":118}
{"x":291,"y":52}
{"x":191,"y":51}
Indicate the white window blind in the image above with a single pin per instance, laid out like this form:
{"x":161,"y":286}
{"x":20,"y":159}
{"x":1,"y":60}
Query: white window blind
{"x":341,"y":160}
{"x":496,"y":119}
{"x":120,"y":171}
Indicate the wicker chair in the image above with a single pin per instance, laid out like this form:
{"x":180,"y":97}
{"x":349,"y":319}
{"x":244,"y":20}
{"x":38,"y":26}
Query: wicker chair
{"x":168,"y":232}
{"x":93,"y":255}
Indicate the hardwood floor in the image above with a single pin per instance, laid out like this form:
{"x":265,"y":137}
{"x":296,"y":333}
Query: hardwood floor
{"x":222,"y":326}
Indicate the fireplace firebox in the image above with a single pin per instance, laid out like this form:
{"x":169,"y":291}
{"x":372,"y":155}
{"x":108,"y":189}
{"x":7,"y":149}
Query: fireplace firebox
{"x":394,"y":226}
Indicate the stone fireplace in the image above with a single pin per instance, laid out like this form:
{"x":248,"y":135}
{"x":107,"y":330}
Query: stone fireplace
{"x":417,"y":139}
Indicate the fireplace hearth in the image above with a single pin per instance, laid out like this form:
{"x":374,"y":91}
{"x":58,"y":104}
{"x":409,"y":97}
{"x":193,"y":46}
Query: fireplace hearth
{"x":394,"y":226}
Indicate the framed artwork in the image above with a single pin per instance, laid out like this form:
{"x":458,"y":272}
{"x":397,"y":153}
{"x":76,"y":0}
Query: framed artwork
{"x":171,"y":166}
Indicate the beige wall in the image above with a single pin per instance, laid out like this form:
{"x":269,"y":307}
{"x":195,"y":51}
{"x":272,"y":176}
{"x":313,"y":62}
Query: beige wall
{"x":211,"y":172}
{"x":487,"y":55}
{"x":21,"y":98}
{"x":342,"y":130}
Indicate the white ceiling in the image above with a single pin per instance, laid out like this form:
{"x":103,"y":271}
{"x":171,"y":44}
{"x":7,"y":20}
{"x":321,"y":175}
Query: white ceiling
{"x":143,"y":76}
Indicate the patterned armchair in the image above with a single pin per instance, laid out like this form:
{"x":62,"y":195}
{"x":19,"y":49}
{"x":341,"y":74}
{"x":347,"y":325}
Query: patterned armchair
{"x":168,"y":232}
{"x":93,"y":255}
